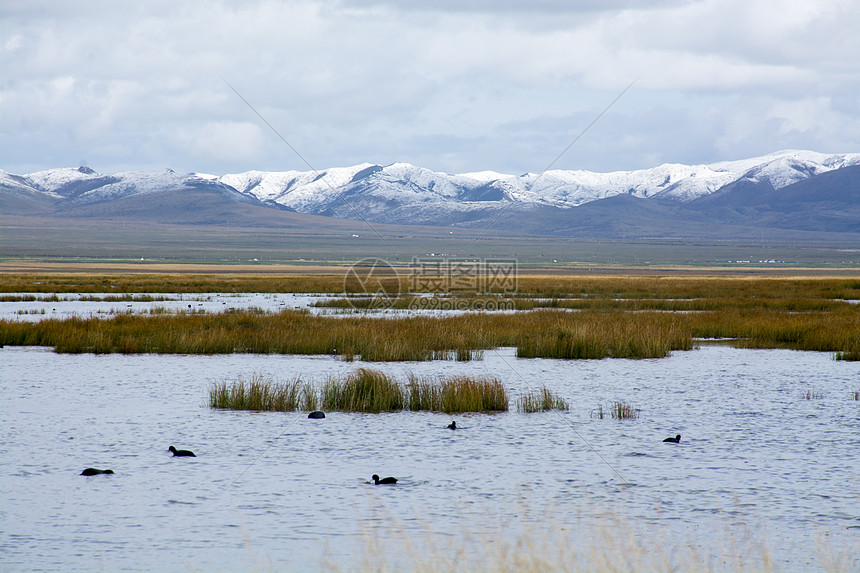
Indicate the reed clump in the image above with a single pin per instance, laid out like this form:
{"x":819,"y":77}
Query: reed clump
{"x":473,"y":394}
{"x":468,"y":354}
{"x":423,"y":394}
{"x":849,"y":355}
{"x":623,"y":411}
{"x":812,"y":395}
{"x":618,"y":410}
{"x":608,"y":335}
{"x":365,"y":390}
{"x":262,"y":394}
{"x":457,"y":394}
{"x":541,"y":401}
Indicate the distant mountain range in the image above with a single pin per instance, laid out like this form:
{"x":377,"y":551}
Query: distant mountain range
{"x":800,"y":191}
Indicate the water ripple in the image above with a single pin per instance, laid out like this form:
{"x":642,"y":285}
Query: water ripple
{"x":754,"y":455}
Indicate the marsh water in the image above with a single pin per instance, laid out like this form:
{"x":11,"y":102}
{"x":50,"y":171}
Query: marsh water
{"x":33,"y":307}
{"x":769,"y":463}
{"x":38,"y":306}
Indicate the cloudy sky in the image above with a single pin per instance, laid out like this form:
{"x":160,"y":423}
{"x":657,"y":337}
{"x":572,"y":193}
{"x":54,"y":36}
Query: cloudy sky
{"x":453,"y":85}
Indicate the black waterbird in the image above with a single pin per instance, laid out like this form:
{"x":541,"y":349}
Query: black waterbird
{"x":95,"y":472}
{"x":181,"y":453}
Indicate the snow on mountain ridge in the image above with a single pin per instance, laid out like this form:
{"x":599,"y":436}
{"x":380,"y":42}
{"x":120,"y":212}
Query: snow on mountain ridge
{"x":788,"y":169}
{"x":83,"y":185}
{"x":132,"y":183}
{"x":286,"y":187}
{"x":377,"y":190}
{"x":52,"y":179}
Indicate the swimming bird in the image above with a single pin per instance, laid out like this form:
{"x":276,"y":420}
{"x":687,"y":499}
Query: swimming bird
{"x":185,"y":453}
{"x":385,"y":481}
{"x":452,"y":425}
{"x":316,"y":415}
{"x":95,"y":472}
{"x":675,"y":440}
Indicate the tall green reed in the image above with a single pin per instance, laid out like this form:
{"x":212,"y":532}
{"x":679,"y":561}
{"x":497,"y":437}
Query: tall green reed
{"x":541,"y":401}
{"x":262,"y":394}
{"x":617,"y":410}
{"x":363,"y":391}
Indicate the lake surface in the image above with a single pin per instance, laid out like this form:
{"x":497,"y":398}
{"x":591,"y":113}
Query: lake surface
{"x":760,"y":469}
{"x":87,"y":305}
{"x":101,"y":305}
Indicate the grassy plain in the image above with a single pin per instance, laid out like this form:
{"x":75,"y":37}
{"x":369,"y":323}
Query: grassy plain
{"x":543,"y":281}
{"x":123,"y":240}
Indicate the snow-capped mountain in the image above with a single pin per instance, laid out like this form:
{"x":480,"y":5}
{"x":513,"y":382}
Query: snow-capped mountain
{"x":83,"y":185}
{"x":380,"y":191}
{"x":405,"y":194}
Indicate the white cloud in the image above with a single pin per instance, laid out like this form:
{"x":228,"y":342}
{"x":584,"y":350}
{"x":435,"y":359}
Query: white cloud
{"x":218,"y":140}
{"x":457,"y":86}
{"x":13,"y":43}
{"x":802,"y":123}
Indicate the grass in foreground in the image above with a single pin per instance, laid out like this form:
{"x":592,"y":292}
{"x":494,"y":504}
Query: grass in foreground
{"x":539,"y":540}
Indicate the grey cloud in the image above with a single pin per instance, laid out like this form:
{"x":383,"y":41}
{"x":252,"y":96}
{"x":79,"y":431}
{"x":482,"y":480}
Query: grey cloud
{"x":466,"y":86}
{"x":517,"y":6}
